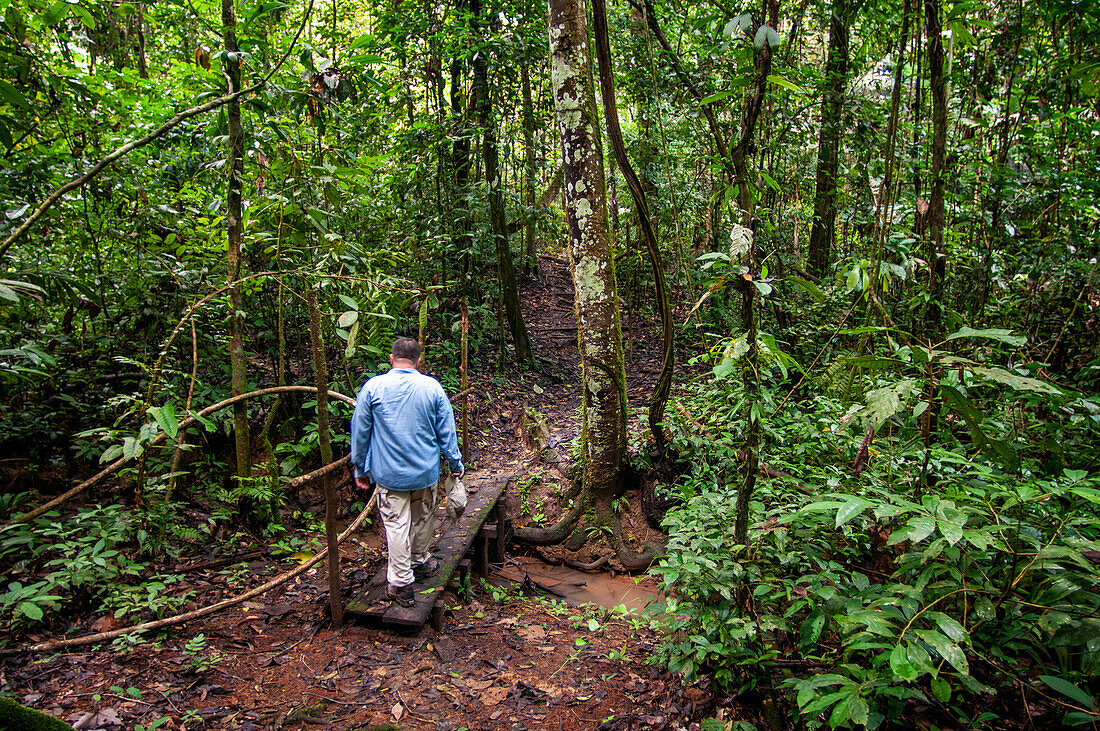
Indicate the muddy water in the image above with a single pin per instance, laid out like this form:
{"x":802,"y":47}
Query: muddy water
{"x":578,"y":587}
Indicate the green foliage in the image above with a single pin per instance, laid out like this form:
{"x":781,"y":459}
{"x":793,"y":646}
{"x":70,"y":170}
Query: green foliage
{"x":940,"y":599}
{"x":17,"y":716}
{"x":83,"y":562}
{"x":199,"y":658}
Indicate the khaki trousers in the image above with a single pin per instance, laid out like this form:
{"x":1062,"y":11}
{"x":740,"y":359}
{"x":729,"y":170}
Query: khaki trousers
{"x":408,"y":519}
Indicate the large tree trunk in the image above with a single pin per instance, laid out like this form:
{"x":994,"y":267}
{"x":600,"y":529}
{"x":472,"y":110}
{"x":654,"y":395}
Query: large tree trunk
{"x":611,"y":114}
{"x":823,"y":231}
{"x":603,"y":403}
{"x":238,"y":363}
{"x":934,"y":251}
{"x":498,"y":221}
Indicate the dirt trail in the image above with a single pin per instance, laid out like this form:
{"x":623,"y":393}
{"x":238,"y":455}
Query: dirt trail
{"x":512,"y":655}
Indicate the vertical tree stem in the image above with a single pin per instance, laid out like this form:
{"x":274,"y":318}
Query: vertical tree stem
{"x":320,"y":372}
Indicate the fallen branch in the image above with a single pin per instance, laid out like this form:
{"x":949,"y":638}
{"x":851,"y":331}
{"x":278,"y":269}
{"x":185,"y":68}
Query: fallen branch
{"x":52,"y":645}
{"x":189,"y":421}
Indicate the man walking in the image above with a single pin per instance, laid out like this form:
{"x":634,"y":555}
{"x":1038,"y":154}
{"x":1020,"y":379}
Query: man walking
{"x":402,"y":421}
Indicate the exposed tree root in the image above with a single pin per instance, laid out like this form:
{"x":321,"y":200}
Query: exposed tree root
{"x":575,"y":533}
{"x":596,"y":565}
{"x":558,"y":532}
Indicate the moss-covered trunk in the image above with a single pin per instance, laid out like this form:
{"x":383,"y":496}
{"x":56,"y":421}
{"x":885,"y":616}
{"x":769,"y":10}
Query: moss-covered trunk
{"x":603,"y":419}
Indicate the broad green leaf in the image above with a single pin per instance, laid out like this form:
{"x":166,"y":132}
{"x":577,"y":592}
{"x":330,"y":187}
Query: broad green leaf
{"x":165,"y":417}
{"x":348,"y":319}
{"x":349,"y":302}
{"x":780,"y":81}
{"x":949,"y":626}
{"x":813,"y":290}
{"x":1077,"y":635}
{"x":900,"y":665}
{"x":922,"y":527}
{"x":55,"y":13}
{"x":1018,"y":382}
{"x":823,"y":702}
{"x":1068,"y":689}
{"x":941,"y":689}
{"x":1004,"y":336}
{"x":947,"y":649}
{"x":353,"y":334}
{"x":962,"y":33}
{"x":761,"y":37}
{"x":13,"y":96}
{"x":717,"y":97}
{"x":773,"y":38}
{"x":951,"y":530}
{"x":850,"y":509}
{"x":31,"y":610}
{"x":882,"y":403}
{"x":110,"y":454}
{"x":1079,"y":718}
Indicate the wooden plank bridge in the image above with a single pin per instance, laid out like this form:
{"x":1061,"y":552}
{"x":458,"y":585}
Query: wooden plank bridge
{"x":483,"y":531}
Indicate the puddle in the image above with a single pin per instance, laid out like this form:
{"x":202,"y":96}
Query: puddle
{"x":578,"y":587}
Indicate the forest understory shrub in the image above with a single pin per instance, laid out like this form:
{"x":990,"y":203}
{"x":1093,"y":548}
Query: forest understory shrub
{"x":86,"y":561}
{"x":857,"y":598}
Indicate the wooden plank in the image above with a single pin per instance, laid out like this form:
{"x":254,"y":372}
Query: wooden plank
{"x":449,"y":549}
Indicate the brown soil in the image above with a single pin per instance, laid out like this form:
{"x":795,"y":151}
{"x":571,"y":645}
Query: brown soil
{"x":510,"y":655}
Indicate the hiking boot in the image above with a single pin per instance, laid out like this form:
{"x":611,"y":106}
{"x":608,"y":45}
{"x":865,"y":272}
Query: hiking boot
{"x":403,"y":595}
{"x":426,"y":569}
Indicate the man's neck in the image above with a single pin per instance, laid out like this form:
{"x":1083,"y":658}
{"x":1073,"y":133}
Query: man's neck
{"x":401,"y":363}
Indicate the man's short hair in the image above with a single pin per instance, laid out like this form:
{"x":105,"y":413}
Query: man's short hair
{"x":405,"y":349}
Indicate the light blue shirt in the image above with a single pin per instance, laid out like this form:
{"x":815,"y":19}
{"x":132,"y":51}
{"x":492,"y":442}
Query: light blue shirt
{"x":402,"y":421}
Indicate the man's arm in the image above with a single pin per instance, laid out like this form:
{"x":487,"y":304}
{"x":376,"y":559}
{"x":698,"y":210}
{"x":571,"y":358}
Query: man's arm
{"x":362,"y":424}
{"x":446,"y":435}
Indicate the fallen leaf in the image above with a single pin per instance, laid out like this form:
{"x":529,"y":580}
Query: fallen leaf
{"x":533,"y":632}
{"x":493,"y":696}
{"x":398,"y":711}
{"x":103,"y":718}
{"x":478,"y":684}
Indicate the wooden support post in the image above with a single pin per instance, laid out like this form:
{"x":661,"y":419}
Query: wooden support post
{"x":437,"y":616}
{"x":483,"y":554}
{"x":464,"y":577}
{"x":503,"y":531}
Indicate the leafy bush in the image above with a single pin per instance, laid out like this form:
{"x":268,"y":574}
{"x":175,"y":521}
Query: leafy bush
{"x":987,"y":585}
{"x":79,"y":562}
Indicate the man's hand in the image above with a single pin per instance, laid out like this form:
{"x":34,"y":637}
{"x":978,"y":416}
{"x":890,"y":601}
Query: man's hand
{"x":461,"y":474}
{"x":362,"y":483}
